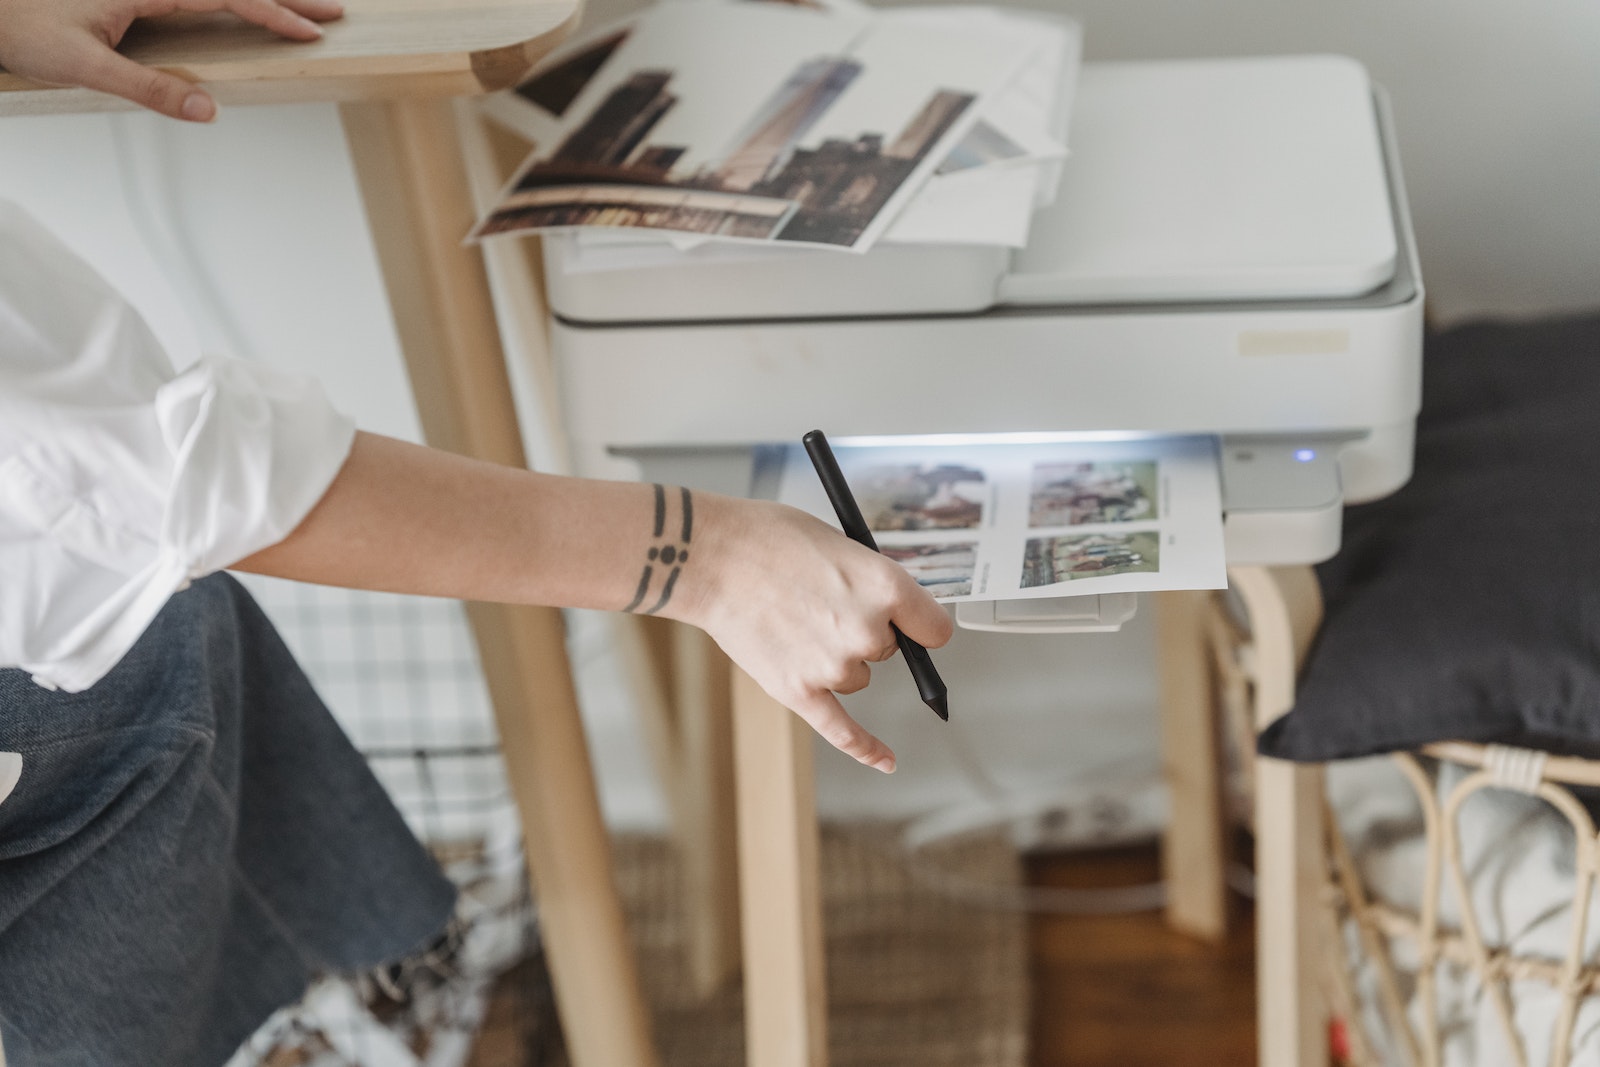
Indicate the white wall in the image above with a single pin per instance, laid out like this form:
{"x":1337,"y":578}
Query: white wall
{"x":257,"y":225}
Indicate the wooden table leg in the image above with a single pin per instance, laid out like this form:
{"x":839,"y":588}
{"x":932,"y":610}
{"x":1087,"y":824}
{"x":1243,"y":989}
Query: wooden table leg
{"x":1284,"y":608}
{"x":708,"y":838}
{"x":1194,"y":852}
{"x":419,"y":206}
{"x":785,"y":996}
{"x":681,"y":683}
{"x":678,"y":677}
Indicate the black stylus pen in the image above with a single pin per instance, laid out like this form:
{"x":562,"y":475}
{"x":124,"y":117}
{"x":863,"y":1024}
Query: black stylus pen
{"x":929,"y":685}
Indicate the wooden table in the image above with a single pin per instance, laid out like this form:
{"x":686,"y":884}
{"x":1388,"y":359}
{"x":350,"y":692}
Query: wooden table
{"x":393,"y":66}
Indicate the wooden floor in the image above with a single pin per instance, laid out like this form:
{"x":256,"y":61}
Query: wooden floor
{"x":1125,"y":991}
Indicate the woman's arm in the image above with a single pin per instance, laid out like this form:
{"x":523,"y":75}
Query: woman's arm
{"x":796,"y":604}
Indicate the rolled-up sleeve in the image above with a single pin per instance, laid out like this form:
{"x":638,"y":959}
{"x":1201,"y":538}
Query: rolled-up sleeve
{"x":120,"y":479}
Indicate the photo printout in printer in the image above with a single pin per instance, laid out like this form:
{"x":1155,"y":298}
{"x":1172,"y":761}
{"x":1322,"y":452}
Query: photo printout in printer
{"x":1008,"y":521}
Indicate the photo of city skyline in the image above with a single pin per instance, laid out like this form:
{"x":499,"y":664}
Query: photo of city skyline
{"x":777,"y":179}
{"x":554,"y":88}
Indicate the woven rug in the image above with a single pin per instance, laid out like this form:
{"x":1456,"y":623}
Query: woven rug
{"x":918,"y":973}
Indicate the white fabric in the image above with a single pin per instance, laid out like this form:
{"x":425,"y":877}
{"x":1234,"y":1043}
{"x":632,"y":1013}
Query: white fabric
{"x":120,"y":479}
{"x":10,"y":775}
{"x":1518,"y":855}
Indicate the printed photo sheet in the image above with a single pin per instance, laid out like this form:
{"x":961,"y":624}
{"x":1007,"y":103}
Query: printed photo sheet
{"x":1019,"y":521}
{"x":751,"y":122}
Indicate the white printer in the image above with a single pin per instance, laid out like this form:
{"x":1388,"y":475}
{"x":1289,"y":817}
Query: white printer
{"x":1228,"y":254}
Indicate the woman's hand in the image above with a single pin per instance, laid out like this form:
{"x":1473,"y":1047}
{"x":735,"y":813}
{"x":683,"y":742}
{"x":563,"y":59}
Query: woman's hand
{"x":803,"y":609}
{"x":73,"y":42}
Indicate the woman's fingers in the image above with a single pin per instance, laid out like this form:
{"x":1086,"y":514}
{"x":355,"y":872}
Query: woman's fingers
{"x":804,"y":610}
{"x":109,"y":72}
{"x":921,"y":618}
{"x":321,"y":10}
{"x":827,"y":717}
{"x":885,"y":653}
{"x":852,"y":678}
{"x":293,"y":21}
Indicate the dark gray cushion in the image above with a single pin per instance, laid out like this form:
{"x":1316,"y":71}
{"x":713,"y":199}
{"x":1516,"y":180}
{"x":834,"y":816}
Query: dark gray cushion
{"x":1467,"y":605}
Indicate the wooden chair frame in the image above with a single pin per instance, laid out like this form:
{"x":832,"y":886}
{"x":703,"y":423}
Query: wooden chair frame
{"x":1309,"y":889}
{"x":1495,"y":966}
{"x":1279,"y":609}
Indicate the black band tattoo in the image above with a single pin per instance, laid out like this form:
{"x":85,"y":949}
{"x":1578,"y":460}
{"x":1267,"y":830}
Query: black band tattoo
{"x":669,"y":555}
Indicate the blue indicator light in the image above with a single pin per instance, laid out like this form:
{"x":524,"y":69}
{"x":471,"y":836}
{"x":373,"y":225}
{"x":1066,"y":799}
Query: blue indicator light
{"x":1305,"y":455}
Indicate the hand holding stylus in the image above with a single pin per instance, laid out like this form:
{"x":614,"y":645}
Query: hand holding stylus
{"x":929,"y":685}
{"x":804,"y":611}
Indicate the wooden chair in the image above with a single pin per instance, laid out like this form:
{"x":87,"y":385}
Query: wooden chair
{"x":1378,"y":925}
{"x":1309,"y":888}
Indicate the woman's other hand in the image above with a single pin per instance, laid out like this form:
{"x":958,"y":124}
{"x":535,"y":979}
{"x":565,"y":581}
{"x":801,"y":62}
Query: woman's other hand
{"x":73,"y":42}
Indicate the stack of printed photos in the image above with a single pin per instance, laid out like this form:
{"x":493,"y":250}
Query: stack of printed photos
{"x":817,"y":123}
{"x":1003,"y":521}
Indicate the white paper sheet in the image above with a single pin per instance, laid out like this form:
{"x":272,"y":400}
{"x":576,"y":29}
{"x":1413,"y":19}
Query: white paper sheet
{"x":992,"y":204}
{"x":757,"y":122}
{"x":1021,"y":521}
{"x":1022,"y":114}
{"x":986,"y":206}
{"x":1044,"y":92}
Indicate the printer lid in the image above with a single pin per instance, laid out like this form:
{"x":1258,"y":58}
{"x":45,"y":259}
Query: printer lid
{"x":1237,"y":179}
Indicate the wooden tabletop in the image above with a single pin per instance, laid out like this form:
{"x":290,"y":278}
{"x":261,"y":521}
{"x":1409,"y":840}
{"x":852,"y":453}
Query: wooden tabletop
{"x":381,"y":49}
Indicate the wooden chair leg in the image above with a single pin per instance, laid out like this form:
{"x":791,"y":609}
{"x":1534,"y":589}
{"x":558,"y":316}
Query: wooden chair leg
{"x":1292,"y":1020}
{"x":1194,"y":851}
{"x":785,"y":1001}
{"x":1284,"y":609}
{"x":419,"y":206}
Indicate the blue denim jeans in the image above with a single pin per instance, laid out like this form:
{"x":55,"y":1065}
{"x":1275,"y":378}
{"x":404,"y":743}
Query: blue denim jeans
{"x":191,"y":841}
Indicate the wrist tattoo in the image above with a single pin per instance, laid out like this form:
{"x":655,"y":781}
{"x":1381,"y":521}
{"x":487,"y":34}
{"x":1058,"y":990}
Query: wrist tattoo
{"x":667,"y":555}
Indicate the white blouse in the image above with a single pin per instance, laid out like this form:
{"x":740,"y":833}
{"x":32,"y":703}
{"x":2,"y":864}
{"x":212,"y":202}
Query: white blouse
{"x":121,"y":479}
